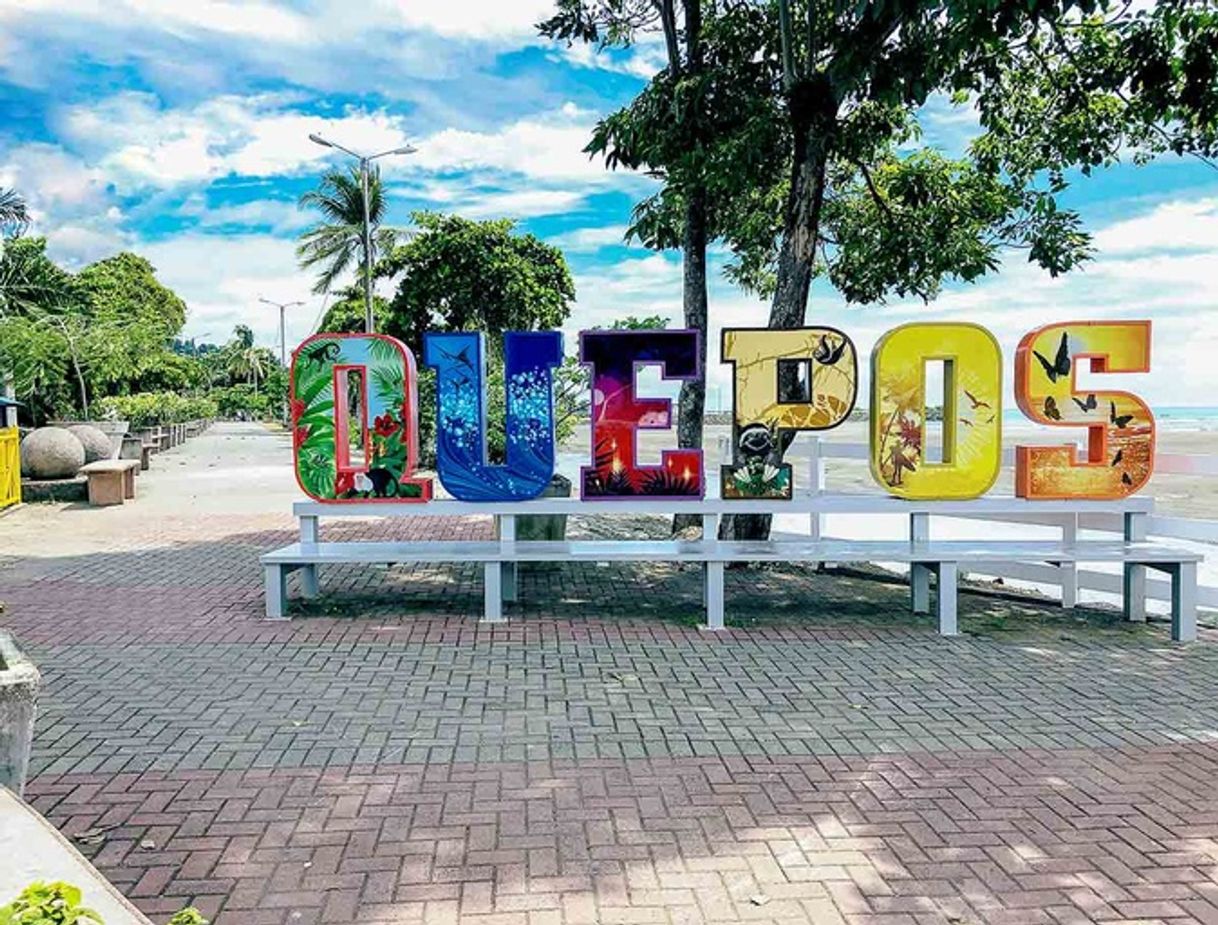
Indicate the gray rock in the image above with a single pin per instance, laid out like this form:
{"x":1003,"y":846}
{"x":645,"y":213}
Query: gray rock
{"x":51,"y":453}
{"x":96,"y":443}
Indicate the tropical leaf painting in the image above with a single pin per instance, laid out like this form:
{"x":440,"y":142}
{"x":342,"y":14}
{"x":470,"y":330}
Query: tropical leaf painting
{"x":319,"y":416}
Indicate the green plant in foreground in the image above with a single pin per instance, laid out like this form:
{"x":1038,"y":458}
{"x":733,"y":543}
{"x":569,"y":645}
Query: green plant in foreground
{"x":48,"y":904}
{"x":59,"y":904}
{"x":188,"y":916}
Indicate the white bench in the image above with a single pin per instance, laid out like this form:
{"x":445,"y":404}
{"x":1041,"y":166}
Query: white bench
{"x":924,"y":556}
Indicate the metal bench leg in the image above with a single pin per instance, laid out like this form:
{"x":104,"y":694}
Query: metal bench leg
{"x":505,"y":530}
{"x":308,"y":581}
{"x":276,"y":591}
{"x":1068,"y":571}
{"x":492,"y":610}
{"x":919,"y":587}
{"x":508,"y":571}
{"x":919,"y":574}
{"x":1184,"y":602}
{"x":1135,"y":593}
{"x":1135,"y":575}
{"x":945,"y":599}
{"x":714,"y":595}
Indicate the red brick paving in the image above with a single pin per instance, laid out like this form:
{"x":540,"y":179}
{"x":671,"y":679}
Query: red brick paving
{"x":1095,"y":835}
{"x":382,"y":759}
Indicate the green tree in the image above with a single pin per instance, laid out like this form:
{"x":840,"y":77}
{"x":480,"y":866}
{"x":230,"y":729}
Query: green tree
{"x":243,"y":361}
{"x":815,"y":168}
{"x":346,"y":315}
{"x":135,"y":318}
{"x":125,"y":288}
{"x":463,"y":275}
{"x":330,"y":247}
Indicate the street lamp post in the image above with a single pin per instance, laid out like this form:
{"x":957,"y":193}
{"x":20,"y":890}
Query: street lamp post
{"x":365,"y":161}
{"x":283,"y":339}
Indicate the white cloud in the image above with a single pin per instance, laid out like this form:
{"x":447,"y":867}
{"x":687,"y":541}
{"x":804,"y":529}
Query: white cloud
{"x":222,"y":277}
{"x":468,"y":19}
{"x":644,"y":60}
{"x":1177,"y":225}
{"x":139,"y":143}
{"x":587,"y":240}
{"x":69,"y":201}
{"x":549,"y":146}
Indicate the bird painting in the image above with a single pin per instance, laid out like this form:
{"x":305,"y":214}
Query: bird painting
{"x":975,"y":401}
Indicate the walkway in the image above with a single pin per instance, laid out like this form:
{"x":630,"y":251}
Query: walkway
{"x":385,"y":759}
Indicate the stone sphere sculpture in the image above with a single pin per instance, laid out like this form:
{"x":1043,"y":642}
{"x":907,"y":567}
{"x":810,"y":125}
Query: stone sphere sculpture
{"x":51,"y":453}
{"x":97,"y":445}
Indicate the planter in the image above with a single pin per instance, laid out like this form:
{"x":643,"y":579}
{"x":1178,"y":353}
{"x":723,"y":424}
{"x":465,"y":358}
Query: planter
{"x":19,"y":682}
{"x":551,"y":527}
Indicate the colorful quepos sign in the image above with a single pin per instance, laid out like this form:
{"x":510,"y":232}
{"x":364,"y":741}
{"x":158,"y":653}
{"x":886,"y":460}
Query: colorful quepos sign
{"x":354,"y":404}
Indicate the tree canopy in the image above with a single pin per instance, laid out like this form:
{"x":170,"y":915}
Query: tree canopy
{"x":812,"y":160}
{"x":457,"y":274}
{"x":799,"y":129}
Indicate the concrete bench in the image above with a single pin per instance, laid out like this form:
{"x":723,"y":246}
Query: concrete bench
{"x":111,"y":481}
{"x":946,"y":559}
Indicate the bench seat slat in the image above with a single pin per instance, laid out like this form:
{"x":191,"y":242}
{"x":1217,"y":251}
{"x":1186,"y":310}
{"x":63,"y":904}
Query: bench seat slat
{"x":802,"y":503}
{"x":959,"y":551}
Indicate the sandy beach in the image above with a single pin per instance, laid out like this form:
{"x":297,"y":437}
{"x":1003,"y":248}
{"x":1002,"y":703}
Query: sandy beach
{"x":1176,"y":495}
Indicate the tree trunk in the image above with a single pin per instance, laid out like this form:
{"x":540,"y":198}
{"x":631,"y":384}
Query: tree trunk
{"x":813,"y":114}
{"x":691,"y":405}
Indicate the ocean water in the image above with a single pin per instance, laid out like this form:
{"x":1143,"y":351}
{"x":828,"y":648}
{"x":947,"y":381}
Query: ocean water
{"x":1167,"y":417}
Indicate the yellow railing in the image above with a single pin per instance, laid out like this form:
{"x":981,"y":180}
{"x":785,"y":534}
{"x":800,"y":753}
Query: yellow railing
{"x":10,"y":467}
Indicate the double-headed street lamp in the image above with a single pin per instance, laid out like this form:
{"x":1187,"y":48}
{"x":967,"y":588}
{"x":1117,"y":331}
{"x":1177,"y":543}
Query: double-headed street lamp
{"x":283,"y":340}
{"x":364,"y":162}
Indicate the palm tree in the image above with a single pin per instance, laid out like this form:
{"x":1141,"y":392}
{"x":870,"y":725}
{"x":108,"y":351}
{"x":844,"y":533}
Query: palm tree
{"x":14,"y":216}
{"x":333,"y":243}
{"x":244,"y":360}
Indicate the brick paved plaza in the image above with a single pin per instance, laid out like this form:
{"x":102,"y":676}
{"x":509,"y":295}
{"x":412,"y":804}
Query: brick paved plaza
{"x":384,"y":759}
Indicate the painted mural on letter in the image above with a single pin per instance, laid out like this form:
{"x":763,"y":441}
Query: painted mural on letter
{"x":969,"y":411}
{"x":761,"y":413}
{"x":327,"y":440}
{"x":1120,"y":427}
{"x":617,"y":414}
{"x":461,"y":461}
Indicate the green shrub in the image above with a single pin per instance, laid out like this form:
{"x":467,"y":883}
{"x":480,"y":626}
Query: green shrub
{"x":237,"y":400}
{"x":147,"y":409}
{"x":48,"y":904}
{"x":59,"y":904}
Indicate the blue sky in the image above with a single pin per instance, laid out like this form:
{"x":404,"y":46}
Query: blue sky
{"x":179,"y":130}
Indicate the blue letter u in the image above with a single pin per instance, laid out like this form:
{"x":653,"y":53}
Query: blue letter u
{"x":459,"y":360}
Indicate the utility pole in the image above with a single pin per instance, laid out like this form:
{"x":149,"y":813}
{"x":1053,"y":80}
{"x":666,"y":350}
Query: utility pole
{"x":283,"y":338}
{"x":365,"y":164}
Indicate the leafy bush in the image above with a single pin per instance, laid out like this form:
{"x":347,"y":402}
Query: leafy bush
{"x":147,"y":409}
{"x":242,"y":400}
{"x":59,"y":904}
{"x":48,"y":904}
